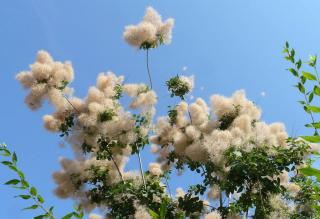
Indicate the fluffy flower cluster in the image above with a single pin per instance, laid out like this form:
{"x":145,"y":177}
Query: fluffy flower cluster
{"x":87,"y":122}
{"x":150,"y":32}
{"x":46,"y":79}
{"x":200,"y":135}
{"x":213,"y":215}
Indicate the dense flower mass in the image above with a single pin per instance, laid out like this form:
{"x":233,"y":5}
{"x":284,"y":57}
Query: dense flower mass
{"x":201,"y":135}
{"x":150,"y":32}
{"x":97,"y":125}
{"x":246,"y":165}
{"x":46,"y":79}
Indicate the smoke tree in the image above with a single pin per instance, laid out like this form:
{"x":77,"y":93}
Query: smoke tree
{"x":249,"y":169}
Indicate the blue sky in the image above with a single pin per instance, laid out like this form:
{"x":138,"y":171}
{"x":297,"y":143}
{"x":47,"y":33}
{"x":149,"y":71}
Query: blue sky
{"x":226,"y":44}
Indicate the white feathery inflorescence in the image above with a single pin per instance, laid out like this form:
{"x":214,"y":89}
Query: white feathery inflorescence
{"x":95,"y":216}
{"x":193,"y":132}
{"x":142,"y":213}
{"x":151,"y":30}
{"x":46,"y":79}
{"x":214,"y":193}
{"x":98,"y":116}
{"x":188,"y":81}
{"x":180,"y":192}
{"x":155,"y":169}
{"x":204,"y":134}
{"x":213,"y":215}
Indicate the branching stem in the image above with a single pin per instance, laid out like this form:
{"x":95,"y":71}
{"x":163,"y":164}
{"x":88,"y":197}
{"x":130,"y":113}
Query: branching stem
{"x":118,"y":169}
{"x":141,"y":169}
{"x":148,"y":69}
{"x":43,"y":208}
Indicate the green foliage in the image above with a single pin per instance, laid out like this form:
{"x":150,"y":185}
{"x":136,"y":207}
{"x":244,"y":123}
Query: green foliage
{"x":106,"y":115}
{"x":122,"y":206}
{"x":30,"y":192}
{"x":77,"y":213}
{"x":141,"y":140}
{"x":118,"y":90}
{"x":86,"y":148}
{"x":105,"y":148}
{"x":172,"y":113}
{"x":308,"y":178}
{"x":177,"y":87}
{"x":307,"y":200}
{"x":227,"y":119}
{"x":63,"y":85}
{"x":153,"y":45}
{"x":65,"y":127}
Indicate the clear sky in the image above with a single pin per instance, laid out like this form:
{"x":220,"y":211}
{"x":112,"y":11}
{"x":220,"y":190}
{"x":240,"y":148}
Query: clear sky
{"x":226,"y":44}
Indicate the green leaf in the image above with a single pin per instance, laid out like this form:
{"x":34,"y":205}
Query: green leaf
{"x":316,"y":90}
{"x":14,"y":157}
{"x":294,"y":72}
{"x":40,"y":199}
{"x":310,"y":97}
{"x":68,"y":216}
{"x":33,"y":191}
{"x":163,"y":210}
{"x":41,"y":216}
{"x":312,"y":139}
{"x":310,"y":171}
{"x":309,"y":76}
{"x":300,"y":87}
{"x":6,"y":153}
{"x":153,"y":214}
{"x":315,"y":124}
{"x":31,"y":207}
{"x":12,"y":182}
{"x":14,"y":168}
{"x":298,"y":64}
{"x":21,"y":175}
{"x":25,"y":183}
{"x":24,"y":196}
{"x":7,"y":163}
{"x":314,"y":109}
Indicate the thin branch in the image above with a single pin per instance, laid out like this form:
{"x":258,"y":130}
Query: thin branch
{"x":220,"y":199}
{"x":141,"y":169}
{"x":169,"y":190}
{"x":149,"y":74}
{"x":311,"y":114}
{"x":190,"y":116}
{"x":115,"y":163}
{"x":71,"y":103}
{"x":43,"y":208}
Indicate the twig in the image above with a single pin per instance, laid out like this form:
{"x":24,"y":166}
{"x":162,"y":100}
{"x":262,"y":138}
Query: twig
{"x":43,"y":208}
{"x":149,"y":74}
{"x":169,"y":190}
{"x":141,"y":169}
{"x":115,"y":163}
{"x":71,"y":103}
{"x":220,"y":199}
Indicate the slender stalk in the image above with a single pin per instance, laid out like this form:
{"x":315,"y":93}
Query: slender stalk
{"x":118,"y":169}
{"x":190,"y":116}
{"x":141,"y":170}
{"x":311,"y":114}
{"x":169,"y":190}
{"x":307,"y":101}
{"x":43,"y":208}
{"x":65,"y":97}
{"x":149,"y":74}
{"x":220,"y":199}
